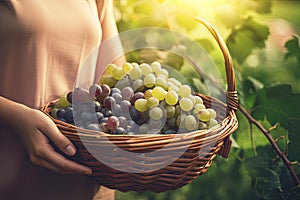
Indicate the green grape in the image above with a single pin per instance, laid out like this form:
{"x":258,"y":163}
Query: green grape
{"x":109,"y":68}
{"x":162,"y":104}
{"x":118,"y":73}
{"x":143,"y":129}
{"x":177,"y":110}
{"x":190,"y":123}
{"x":152,"y":102}
{"x":135,"y":73}
{"x":197,"y":108}
{"x":148,"y":94}
{"x":159,"y":93}
{"x":63,"y":101}
{"x":172,"y":86}
{"x":156,"y":67}
{"x":156,"y":113}
{"x":212,"y":112}
{"x":138,"y":85}
{"x":192,"y":97}
{"x":180,"y":120}
{"x":184,"y":91}
{"x":198,"y":100}
{"x":170,"y":110}
{"x":127,"y":67}
{"x":146,"y":68}
{"x":134,"y":64}
{"x":53,"y":112}
{"x":204,"y":115}
{"x":212,"y":123}
{"x":141,"y":105}
{"x":174,"y":81}
{"x":160,"y":81}
{"x":202,"y":126}
{"x":171,"y":98}
{"x":125,"y":82}
{"x":108,"y":80}
{"x":149,"y":80}
{"x":186,"y":104}
{"x":163,"y":72}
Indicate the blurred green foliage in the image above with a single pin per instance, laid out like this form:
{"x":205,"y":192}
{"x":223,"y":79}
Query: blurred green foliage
{"x":262,"y":36}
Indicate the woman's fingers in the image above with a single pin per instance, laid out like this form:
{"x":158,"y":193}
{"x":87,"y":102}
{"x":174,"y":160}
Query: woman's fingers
{"x":48,"y":128}
{"x":46,"y":156}
{"x":64,"y":165}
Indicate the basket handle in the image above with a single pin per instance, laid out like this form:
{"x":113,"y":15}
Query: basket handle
{"x":231,"y":95}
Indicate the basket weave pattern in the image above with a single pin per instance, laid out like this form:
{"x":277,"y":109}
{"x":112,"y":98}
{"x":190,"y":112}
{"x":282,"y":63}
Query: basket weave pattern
{"x":198,"y":148}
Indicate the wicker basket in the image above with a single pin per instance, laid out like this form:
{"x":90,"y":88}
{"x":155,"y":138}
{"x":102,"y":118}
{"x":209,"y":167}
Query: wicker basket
{"x":196,"y":149}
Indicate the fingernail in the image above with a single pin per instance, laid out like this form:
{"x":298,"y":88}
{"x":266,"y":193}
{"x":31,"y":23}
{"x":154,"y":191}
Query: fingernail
{"x":70,"y":150}
{"x":89,"y":172}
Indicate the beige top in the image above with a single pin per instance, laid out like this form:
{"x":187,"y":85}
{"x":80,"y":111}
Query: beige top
{"x":42,"y":44}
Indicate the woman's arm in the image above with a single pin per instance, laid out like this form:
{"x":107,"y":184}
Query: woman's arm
{"x":36,"y":130}
{"x":110,"y":50}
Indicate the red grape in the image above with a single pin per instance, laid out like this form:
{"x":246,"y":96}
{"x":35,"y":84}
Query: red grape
{"x":127,"y":93}
{"x":112,"y":123}
{"x":95,"y":90}
{"x":105,"y":92}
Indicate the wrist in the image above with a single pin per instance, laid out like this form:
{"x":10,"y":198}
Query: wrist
{"x":13,"y":113}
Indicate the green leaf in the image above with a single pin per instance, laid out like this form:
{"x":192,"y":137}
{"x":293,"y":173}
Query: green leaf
{"x":280,"y":105}
{"x":293,"y":48}
{"x":268,"y":185}
{"x":242,"y":41}
{"x":250,"y":87}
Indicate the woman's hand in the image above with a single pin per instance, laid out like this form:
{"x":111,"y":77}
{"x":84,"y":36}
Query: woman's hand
{"x":36,"y":130}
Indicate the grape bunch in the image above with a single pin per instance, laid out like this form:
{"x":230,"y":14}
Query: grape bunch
{"x":135,"y":99}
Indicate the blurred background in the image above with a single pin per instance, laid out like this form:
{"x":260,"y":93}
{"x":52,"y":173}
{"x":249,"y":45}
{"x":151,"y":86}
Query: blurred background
{"x":263,"y":39}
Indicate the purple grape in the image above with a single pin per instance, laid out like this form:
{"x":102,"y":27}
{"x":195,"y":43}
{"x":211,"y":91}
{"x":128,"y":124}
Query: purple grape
{"x":106,"y":112}
{"x":99,"y":116}
{"x":97,"y":106}
{"x":123,"y":121}
{"x":61,"y":113}
{"x":134,"y":113}
{"x":109,"y":102}
{"x":105,"y":92}
{"x":136,"y":96}
{"x":125,"y":105}
{"x":69,"y":115}
{"x":87,"y":117}
{"x":95,"y":90}
{"x":117,"y":97}
{"x":81,"y":95}
{"x":70,"y":96}
{"x":115,"y":90}
{"x":94,"y":127}
{"x":116,"y":110}
{"x":103,"y":127}
{"x":127,"y":93}
{"x":112,"y":123}
{"x":104,"y":119}
{"x":119,"y":131}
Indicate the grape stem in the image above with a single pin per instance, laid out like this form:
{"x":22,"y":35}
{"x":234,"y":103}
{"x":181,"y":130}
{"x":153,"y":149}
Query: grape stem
{"x":273,"y":143}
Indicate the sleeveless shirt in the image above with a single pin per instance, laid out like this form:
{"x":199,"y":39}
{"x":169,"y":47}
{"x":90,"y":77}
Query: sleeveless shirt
{"x":42,"y":44}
